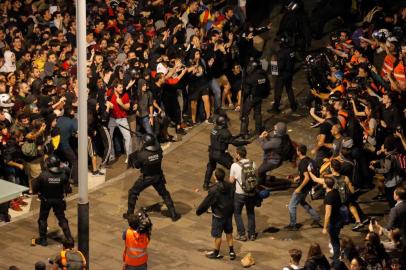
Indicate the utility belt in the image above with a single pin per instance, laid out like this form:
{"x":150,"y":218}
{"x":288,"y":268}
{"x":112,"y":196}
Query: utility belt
{"x":217,"y":151}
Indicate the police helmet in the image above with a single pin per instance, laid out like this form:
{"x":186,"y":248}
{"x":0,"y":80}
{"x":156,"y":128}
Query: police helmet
{"x":253,"y":65}
{"x":284,"y":40}
{"x":148,"y":142}
{"x":221,"y":121}
{"x":54,"y":164}
{"x":5,"y":101}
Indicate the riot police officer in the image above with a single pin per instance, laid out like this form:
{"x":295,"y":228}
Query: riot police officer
{"x":149,"y":161}
{"x":286,"y":64}
{"x":255,"y":88}
{"x":220,"y":138}
{"x":51,"y":185}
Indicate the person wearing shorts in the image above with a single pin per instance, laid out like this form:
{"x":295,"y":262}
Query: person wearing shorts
{"x":220,"y":200}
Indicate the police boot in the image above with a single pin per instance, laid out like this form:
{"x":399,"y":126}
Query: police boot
{"x":171,"y":208}
{"x":244,"y":128}
{"x":42,"y":241}
{"x":66,"y":230}
{"x":206,"y":186}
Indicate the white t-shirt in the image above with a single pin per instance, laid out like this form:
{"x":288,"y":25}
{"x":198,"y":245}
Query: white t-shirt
{"x":235,"y":171}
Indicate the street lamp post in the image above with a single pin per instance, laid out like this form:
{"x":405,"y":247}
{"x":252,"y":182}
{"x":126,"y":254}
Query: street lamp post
{"x":83,"y":203}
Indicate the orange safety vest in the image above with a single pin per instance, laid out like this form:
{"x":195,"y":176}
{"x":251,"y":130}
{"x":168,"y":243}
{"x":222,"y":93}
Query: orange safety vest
{"x":343,"y":118}
{"x":135,"y":252}
{"x":400,"y":75}
{"x":339,"y":88}
{"x":387,"y":67}
{"x":64,"y":260}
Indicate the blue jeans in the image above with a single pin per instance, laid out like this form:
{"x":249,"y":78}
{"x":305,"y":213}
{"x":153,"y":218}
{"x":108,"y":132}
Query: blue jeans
{"x":215,"y":87}
{"x":146,"y":125}
{"x":334,"y":233}
{"x":249,"y":201}
{"x":300,"y":198}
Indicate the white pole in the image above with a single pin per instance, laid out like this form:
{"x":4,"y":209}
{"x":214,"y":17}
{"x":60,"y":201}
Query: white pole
{"x":83,"y":204}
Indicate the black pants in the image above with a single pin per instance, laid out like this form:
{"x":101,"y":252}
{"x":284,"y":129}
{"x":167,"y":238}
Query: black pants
{"x":72,"y":158}
{"x":171,"y":104}
{"x":217,"y":157}
{"x":250,"y":103}
{"x":59,"y":206}
{"x":265,"y":167}
{"x":158,"y":182}
{"x":280,"y":82}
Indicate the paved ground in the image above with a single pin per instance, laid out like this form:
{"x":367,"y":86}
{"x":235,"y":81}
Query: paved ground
{"x":179,"y":245}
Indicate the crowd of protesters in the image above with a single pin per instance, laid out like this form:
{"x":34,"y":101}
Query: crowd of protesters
{"x":159,"y":63}
{"x":151,"y":65}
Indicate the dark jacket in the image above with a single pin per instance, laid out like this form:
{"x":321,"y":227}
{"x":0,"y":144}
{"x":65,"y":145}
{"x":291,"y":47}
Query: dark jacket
{"x":271,"y":147}
{"x":317,"y":262}
{"x":397,"y":219}
{"x":220,"y":199}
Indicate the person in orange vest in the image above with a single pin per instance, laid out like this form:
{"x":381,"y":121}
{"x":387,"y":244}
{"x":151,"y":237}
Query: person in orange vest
{"x":69,"y":258}
{"x":137,"y":237}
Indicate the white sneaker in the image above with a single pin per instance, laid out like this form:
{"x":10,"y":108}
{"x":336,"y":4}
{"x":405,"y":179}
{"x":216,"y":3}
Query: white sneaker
{"x":126,"y":160}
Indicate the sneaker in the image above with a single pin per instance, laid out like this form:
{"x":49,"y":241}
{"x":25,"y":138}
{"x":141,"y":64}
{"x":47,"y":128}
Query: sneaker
{"x":232,"y":255}
{"x":180,"y":131}
{"x":291,"y":227}
{"x":357,"y":226}
{"x":231,"y":106}
{"x":126,"y":160}
{"x":15,"y":206}
{"x":41,"y":241}
{"x":97,"y":173}
{"x":241,"y":238}
{"x":213,"y":255}
{"x":316,"y":224}
{"x":176,"y":217}
{"x":21,"y":201}
{"x":253,"y":237}
{"x":365,"y":221}
{"x":314,"y":124}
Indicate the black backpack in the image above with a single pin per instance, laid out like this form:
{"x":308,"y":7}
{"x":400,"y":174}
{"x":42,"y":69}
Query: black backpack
{"x":248,"y":177}
{"x":74,"y":260}
{"x":263,"y":89}
{"x":287,"y":151}
{"x":342,"y":188}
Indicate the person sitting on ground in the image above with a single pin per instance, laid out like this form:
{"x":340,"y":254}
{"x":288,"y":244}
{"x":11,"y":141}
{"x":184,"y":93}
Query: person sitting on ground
{"x":295,"y":256}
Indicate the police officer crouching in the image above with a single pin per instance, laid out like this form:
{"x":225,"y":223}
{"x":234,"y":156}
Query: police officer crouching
{"x":255,"y":88}
{"x":135,"y":256}
{"x":149,"y":161}
{"x":51,"y":185}
{"x":220,"y":138}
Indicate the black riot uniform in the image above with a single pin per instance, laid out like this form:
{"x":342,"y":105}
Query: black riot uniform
{"x":286,"y":65}
{"x":256,"y":87}
{"x":149,"y":160}
{"x":220,"y":138}
{"x":52,"y":185}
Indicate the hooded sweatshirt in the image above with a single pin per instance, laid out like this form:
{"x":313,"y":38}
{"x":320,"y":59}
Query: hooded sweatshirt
{"x":220,"y":199}
{"x":9,"y":63}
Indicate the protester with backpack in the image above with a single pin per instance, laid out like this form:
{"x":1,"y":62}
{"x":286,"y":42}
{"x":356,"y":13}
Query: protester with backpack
{"x":333,"y":220}
{"x":242,"y":173}
{"x":345,"y":190}
{"x":300,"y":193}
{"x":69,"y":258}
